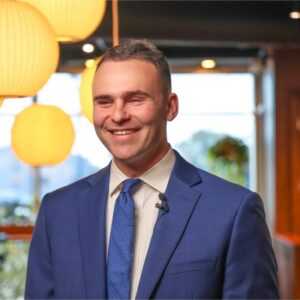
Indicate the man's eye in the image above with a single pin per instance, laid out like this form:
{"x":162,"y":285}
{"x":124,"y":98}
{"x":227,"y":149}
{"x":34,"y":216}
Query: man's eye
{"x":135,"y":100}
{"x":103,"y":102}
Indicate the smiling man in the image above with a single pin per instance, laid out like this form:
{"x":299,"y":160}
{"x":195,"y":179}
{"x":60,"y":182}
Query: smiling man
{"x":131,"y":107}
{"x":149,"y":225}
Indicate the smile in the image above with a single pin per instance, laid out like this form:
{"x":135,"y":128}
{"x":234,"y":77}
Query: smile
{"x":122,"y":132}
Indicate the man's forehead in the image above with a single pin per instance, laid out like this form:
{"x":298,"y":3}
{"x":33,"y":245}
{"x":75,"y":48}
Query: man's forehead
{"x":130,"y":73}
{"x":134,"y":70}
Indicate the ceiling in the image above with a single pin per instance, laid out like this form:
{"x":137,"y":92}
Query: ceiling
{"x":234,"y":32}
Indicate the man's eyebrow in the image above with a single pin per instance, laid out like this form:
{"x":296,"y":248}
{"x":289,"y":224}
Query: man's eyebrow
{"x":100,"y":97}
{"x":126,"y":95}
{"x":136,"y":93}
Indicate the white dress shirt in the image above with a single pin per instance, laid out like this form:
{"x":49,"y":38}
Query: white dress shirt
{"x":154,"y":182}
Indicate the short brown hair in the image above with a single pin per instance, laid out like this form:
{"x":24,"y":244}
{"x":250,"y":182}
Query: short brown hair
{"x":144,"y":50}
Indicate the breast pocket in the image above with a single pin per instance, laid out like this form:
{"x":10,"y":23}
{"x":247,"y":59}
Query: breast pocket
{"x":183,"y":267}
{"x":197,"y":279}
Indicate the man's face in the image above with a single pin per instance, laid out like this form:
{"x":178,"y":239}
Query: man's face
{"x":130,"y":113}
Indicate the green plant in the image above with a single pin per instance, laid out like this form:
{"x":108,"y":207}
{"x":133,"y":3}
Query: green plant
{"x":13,"y":271}
{"x":228,"y":158}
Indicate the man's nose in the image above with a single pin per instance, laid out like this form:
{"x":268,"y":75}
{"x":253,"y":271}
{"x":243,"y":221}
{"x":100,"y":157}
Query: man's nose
{"x":120,"y":113}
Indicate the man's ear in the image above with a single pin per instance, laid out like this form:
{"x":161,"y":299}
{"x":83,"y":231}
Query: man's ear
{"x":172,"y":109}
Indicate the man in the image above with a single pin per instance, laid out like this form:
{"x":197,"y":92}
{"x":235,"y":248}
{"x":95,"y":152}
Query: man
{"x":195,"y":235}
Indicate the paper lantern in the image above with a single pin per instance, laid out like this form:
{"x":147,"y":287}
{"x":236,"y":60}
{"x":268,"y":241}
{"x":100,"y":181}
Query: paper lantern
{"x":29,"y":51}
{"x":72,"y":20}
{"x":85,"y":90}
{"x":42,"y":135}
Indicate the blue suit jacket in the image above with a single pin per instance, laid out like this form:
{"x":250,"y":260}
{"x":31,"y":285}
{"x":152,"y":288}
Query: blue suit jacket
{"x":213,"y":242}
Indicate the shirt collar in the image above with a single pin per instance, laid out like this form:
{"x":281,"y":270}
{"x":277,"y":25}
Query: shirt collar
{"x":157,"y":177}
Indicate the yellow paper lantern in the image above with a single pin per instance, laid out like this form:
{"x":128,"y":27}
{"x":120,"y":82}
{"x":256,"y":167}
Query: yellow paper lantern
{"x":72,"y":20}
{"x":29,"y":51}
{"x":85,"y":90}
{"x":42,"y":135}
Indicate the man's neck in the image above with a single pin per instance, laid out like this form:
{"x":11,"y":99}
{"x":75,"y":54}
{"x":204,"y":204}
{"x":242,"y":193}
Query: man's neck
{"x":136,"y":169}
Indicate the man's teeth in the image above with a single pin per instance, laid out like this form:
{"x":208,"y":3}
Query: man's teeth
{"x":122,"y":132}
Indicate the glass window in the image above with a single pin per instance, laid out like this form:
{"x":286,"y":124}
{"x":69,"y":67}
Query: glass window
{"x":213,"y":107}
{"x":216,"y":114}
{"x":13,"y":263}
{"x":215,"y":129}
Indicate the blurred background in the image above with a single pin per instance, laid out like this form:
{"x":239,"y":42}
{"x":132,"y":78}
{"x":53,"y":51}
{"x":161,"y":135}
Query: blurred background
{"x":235,"y":67}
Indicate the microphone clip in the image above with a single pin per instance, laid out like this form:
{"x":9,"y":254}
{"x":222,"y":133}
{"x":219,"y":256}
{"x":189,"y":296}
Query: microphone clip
{"x":163,"y":205}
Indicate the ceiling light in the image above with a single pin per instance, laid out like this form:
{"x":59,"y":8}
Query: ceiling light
{"x":85,"y":89}
{"x":88,"y":48}
{"x":42,"y":135}
{"x":29,"y":51}
{"x":208,"y":64}
{"x":71,"y":20}
{"x":295,"y":15}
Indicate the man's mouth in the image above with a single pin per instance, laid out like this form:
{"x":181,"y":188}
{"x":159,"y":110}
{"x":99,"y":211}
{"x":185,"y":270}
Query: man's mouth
{"x":122,"y":132}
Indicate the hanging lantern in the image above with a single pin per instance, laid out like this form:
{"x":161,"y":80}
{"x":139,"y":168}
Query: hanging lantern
{"x":29,"y":51}
{"x":72,"y":20}
{"x":85,"y":90}
{"x":42,"y":135}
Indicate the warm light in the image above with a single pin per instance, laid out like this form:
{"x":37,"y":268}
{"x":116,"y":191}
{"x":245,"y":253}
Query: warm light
{"x":72,"y":20}
{"x":29,"y":51}
{"x":88,"y":48}
{"x":295,"y":15}
{"x":86,"y":95}
{"x":1,"y":101}
{"x":208,"y":64}
{"x":89,"y":63}
{"x":42,"y":135}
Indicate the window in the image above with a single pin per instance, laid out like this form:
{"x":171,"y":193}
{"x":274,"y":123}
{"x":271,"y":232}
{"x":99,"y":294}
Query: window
{"x":213,"y":107}
{"x":216,"y":109}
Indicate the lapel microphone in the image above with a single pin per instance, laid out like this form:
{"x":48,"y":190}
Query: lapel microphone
{"x":163,"y":205}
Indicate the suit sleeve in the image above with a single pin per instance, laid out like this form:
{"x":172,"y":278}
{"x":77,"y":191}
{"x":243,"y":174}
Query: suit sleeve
{"x":39,"y":280}
{"x":251,"y":270}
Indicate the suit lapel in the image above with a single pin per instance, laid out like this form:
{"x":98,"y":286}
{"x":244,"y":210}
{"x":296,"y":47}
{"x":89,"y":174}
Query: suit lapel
{"x":181,"y":197}
{"x":92,"y":224}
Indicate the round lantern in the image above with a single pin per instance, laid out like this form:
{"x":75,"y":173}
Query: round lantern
{"x":72,"y":20}
{"x":85,"y":90}
{"x":42,"y":135}
{"x":29,"y":51}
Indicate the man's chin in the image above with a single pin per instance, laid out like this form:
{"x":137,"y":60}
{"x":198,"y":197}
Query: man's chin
{"x":128,"y":160}
{"x":133,"y":160}
{"x":124,"y":157}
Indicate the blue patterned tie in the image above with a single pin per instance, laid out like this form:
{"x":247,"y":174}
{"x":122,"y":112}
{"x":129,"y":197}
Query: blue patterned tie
{"x":120,"y":249}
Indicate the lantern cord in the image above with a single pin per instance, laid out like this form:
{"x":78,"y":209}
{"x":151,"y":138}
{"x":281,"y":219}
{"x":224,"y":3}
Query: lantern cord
{"x":115,"y":21}
{"x":37,"y":189}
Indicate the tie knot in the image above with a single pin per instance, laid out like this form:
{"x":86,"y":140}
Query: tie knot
{"x":128,"y":184}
